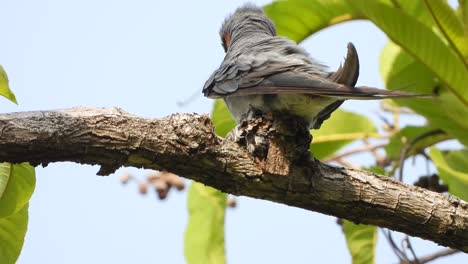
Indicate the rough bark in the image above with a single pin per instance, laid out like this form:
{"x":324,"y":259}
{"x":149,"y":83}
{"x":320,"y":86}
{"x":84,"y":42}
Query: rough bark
{"x":185,"y":144}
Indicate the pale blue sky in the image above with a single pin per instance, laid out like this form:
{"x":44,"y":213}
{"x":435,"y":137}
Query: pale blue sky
{"x":144,"y":56}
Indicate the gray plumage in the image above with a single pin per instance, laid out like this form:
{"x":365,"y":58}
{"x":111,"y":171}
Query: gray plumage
{"x":274,"y":74}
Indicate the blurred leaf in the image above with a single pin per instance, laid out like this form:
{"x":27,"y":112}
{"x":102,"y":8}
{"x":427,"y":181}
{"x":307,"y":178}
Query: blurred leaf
{"x":12,"y":231}
{"x":4,"y":87}
{"x":400,"y":139}
{"x":395,"y":63}
{"x":4,"y":177}
{"x":298,"y":19}
{"x":398,"y":69}
{"x":341,"y":129}
{"x":376,"y":169}
{"x":361,"y":241}
{"x":19,"y":188}
{"x":417,"y":10}
{"x":453,"y":170}
{"x":221,"y":118}
{"x":450,"y":25}
{"x":204,"y":236}
{"x":421,"y":42}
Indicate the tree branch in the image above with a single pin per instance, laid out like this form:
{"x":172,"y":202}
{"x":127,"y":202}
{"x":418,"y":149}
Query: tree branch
{"x":186,"y":145}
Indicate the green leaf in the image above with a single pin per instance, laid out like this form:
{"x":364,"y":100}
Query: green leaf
{"x":399,"y":140}
{"x":4,"y":177}
{"x":377,"y":169}
{"x":450,"y":26}
{"x":21,"y":182}
{"x":398,"y":69}
{"x":298,"y":19}
{"x":204,"y":236}
{"x":421,"y":42}
{"x":4,"y":87}
{"x":417,"y":10}
{"x":341,"y":129}
{"x":453,"y":170}
{"x":361,"y":241}
{"x":222,"y":119}
{"x":12,"y":231}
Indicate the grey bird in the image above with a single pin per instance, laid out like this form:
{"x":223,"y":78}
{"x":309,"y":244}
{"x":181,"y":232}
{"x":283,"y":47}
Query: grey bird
{"x":269,"y":73}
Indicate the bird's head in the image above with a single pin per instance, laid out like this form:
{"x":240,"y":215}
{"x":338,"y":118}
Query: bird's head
{"x":247,"y":21}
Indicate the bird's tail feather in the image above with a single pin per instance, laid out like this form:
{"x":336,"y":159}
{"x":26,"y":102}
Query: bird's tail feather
{"x":341,"y":92}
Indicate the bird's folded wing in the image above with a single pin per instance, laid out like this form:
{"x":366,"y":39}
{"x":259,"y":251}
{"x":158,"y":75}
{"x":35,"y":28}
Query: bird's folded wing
{"x":270,"y":74}
{"x":246,"y":71}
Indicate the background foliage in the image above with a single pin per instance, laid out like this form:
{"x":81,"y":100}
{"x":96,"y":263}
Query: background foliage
{"x":17,"y":184}
{"x":427,"y":53}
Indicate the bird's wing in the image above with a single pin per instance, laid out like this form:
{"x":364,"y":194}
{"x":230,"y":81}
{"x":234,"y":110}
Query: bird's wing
{"x":254,"y":75}
{"x":246,"y":71}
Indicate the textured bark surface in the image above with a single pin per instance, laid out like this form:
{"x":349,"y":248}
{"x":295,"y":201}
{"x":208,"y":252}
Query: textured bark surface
{"x":275,"y":141}
{"x":185,"y":144}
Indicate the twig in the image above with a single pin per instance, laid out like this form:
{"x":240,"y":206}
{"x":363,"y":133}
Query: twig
{"x":378,"y":158}
{"x":347,"y":163}
{"x":354,"y":151}
{"x":188,"y":100}
{"x":442,"y":253}
{"x":388,"y":126}
{"x":349,"y":136}
{"x":390,"y":108}
{"x":410,"y":247}
{"x":410,"y":144}
{"x":398,"y":252}
{"x":396,"y":121}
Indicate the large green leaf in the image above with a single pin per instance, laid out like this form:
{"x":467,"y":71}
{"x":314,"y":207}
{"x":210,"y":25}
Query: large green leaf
{"x":419,"y":41}
{"x":341,"y":129}
{"x":417,"y":10}
{"x":450,"y":25}
{"x":445,"y":111}
{"x":21,"y":180}
{"x":453,"y":170}
{"x":12,"y":231}
{"x":204,"y":236}
{"x":4,"y":86}
{"x":222,"y":119}
{"x":399,"y":140}
{"x":5,"y":171}
{"x":361,"y":241}
{"x":298,"y":19}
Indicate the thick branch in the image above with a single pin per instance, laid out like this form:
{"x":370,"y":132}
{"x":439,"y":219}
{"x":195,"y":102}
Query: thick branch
{"x":185,"y":144}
